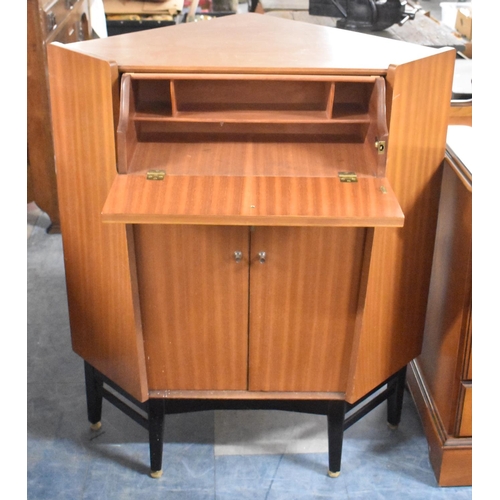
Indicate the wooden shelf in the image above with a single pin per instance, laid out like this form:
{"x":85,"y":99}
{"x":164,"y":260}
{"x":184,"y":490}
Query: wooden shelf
{"x":250,"y":116}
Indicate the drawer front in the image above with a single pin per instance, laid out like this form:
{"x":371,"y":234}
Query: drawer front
{"x":465,"y":418}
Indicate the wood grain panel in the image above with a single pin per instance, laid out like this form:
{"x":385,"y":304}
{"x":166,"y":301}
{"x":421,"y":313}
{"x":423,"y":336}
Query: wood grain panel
{"x":194,"y":302}
{"x":418,"y":101}
{"x":104,"y":318}
{"x":456,"y":466}
{"x":303,"y":304}
{"x":262,"y":95}
{"x":126,"y":133}
{"x":232,"y":200}
{"x":447,"y":322}
{"x":274,"y":155}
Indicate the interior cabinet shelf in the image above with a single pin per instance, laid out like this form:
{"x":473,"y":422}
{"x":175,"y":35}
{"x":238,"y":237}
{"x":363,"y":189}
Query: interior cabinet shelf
{"x":167,"y":98}
{"x":347,"y":115}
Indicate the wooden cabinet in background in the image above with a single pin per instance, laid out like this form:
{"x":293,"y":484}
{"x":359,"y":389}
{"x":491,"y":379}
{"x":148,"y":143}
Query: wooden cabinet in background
{"x":252,"y":222}
{"x":47,"y":21}
{"x":440,"y":379}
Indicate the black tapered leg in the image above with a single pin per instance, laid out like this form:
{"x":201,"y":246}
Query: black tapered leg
{"x":94,"y":387}
{"x":156,"y":420}
{"x":395,"y":400}
{"x":336,"y":415}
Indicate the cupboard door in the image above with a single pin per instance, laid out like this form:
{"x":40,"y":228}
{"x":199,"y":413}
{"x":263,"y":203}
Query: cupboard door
{"x":303,"y":303}
{"x":194,"y":306}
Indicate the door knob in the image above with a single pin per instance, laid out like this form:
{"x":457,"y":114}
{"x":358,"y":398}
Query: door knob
{"x":262,"y":257}
{"x":238,"y":256}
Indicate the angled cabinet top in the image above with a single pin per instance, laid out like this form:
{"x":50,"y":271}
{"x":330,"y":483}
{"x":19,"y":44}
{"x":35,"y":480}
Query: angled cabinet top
{"x":253,"y":43}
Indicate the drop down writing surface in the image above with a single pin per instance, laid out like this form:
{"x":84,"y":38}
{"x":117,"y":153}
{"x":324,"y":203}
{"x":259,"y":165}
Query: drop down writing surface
{"x":257,"y":200}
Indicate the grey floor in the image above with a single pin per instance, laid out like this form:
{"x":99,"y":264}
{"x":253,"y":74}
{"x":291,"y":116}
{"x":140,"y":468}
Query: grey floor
{"x":209,"y":455}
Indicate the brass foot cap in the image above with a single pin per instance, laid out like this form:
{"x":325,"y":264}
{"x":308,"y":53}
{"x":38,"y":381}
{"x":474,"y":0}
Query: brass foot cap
{"x":156,"y":473}
{"x":96,"y":426}
{"x":333,"y":474}
{"x":392,"y":426}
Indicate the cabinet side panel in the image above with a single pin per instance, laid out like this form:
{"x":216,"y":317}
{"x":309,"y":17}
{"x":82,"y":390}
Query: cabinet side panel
{"x":418,"y":99}
{"x":105,"y":326}
{"x":449,"y":298}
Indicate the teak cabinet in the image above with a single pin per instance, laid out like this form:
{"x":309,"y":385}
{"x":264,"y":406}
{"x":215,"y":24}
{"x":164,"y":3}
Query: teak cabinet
{"x":250,"y":224}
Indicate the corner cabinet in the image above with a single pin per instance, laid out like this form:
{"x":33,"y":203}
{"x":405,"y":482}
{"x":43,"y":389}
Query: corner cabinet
{"x":250,"y":226}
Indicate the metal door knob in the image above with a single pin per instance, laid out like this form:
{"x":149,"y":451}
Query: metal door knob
{"x":238,"y":256}
{"x":262,"y":257}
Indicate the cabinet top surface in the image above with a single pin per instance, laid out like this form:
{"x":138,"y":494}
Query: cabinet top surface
{"x":253,"y":43}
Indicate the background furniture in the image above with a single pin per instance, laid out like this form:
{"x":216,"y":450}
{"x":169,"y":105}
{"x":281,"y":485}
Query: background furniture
{"x":126,"y":17}
{"x":232,"y":220}
{"x":440,"y":379}
{"x":47,"y":21}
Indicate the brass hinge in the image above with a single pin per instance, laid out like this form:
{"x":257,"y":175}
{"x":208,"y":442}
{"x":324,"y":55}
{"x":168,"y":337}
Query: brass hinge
{"x":380,"y":145}
{"x":348,"y":177}
{"x":155,"y":175}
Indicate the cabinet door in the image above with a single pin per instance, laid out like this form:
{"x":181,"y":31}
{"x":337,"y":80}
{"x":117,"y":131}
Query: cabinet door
{"x":194,"y":306}
{"x":303,"y":304}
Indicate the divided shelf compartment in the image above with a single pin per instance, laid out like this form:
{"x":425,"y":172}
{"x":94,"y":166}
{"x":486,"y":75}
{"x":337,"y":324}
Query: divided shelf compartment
{"x":252,"y":150}
{"x":247,"y":125}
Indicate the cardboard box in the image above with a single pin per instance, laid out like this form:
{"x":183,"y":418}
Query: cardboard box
{"x":449,"y":12}
{"x":464,"y":22}
{"x":468,"y":50}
